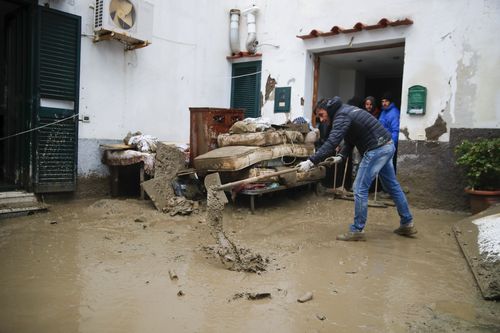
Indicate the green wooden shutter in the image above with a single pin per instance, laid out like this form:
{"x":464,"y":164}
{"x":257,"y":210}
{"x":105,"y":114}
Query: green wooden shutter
{"x":245,"y":88}
{"x":58,"y":69}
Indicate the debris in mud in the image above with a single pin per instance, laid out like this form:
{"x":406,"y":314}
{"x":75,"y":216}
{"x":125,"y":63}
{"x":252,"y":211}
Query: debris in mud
{"x":181,"y":206}
{"x":320,"y":317}
{"x":234,"y":258}
{"x":305,"y":298}
{"x":53,"y":222}
{"x":238,"y":259}
{"x":251,"y":296}
{"x":180,"y":293}
{"x":173,"y":275}
{"x":168,"y":162}
{"x":138,"y":220}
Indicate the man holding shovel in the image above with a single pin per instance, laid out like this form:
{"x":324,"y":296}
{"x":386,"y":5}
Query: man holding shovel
{"x":360,"y":129}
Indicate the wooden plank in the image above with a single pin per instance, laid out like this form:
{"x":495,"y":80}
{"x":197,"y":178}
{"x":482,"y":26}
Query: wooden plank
{"x":159,"y":191}
{"x":315,"y":88}
{"x":485,"y":271}
{"x":115,"y":146}
{"x":362,"y":49}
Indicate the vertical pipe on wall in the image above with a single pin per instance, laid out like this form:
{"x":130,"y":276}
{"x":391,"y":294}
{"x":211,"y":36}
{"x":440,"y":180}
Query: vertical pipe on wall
{"x":234,"y":32}
{"x":252,"y":42}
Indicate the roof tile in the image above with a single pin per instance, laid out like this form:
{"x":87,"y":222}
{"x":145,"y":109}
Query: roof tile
{"x":335,"y":30}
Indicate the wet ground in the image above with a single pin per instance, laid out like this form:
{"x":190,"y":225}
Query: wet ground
{"x":102,"y":265}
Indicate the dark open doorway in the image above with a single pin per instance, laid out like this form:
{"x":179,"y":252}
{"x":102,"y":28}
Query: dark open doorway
{"x":15,"y":92}
{"x":359,"y":72}
{"x":368,"y":71}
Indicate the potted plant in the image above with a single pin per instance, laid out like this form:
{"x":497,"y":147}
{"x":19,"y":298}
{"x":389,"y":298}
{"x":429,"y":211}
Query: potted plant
{"x":481,"y":162}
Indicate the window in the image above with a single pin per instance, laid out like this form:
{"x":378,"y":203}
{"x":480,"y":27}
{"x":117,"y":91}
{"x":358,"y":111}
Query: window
{"x":245,"y":87}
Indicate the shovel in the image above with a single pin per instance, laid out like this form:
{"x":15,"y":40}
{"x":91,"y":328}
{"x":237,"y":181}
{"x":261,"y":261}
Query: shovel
{"x":343,"y":194}
{"x":214,"y":178}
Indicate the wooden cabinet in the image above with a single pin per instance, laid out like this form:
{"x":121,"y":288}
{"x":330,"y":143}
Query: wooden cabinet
{"x":206,"y":124}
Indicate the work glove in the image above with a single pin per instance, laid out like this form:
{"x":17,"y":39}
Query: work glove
{"x":334,"y":159}
{"x":305,"y":165}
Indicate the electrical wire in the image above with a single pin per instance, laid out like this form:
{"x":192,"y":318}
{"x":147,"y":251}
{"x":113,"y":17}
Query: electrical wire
{"x":37,"y":128}
{"x":61,"y":120}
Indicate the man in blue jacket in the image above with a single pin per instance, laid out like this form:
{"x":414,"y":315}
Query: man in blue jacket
{"x":360,"y":129}
{"x":389,"y":118}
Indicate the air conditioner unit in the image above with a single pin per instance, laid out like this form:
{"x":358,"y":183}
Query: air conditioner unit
{"x":130,"y":21}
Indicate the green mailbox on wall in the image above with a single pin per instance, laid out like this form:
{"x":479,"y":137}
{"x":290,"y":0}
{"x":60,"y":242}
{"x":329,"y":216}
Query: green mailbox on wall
{"x":417,"y":97}
{"x":282,"y":97}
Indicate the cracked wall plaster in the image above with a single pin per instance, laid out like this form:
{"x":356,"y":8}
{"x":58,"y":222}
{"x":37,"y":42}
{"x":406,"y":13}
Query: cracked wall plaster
{"x":436,"y":130}
{"x":270,"y":85}
{"x":465,"y":95}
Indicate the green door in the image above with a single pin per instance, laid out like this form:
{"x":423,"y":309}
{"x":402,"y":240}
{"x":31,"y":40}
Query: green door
{"x":57,"y":91}
{"x":245,"y":88}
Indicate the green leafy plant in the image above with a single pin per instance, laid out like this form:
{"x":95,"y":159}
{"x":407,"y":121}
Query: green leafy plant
{"x":481,"y":162}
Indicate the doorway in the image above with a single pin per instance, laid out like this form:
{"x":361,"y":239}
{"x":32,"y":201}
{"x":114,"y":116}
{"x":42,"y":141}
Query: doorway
{"x":355,"y":73}
{"x":361,"y":72}
{"x":39,"y":87}
{"x":15,"y":93}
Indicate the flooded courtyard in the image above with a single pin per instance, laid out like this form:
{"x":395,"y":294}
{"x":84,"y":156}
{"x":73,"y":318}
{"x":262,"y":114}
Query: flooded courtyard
{"x":102,"y":265}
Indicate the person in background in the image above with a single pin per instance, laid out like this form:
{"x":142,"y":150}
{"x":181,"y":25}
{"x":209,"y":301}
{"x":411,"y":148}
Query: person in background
{"x":389,"y":118}
{"x":359,"y":129}
{"x":370,"y":106}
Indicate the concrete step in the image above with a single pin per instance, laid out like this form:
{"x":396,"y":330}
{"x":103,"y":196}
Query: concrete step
{"x":17,"y":196}
{"x":14,"y":203}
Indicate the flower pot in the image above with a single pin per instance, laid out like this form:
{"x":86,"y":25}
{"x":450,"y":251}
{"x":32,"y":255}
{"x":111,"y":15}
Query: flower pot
{"x":481,"y":200}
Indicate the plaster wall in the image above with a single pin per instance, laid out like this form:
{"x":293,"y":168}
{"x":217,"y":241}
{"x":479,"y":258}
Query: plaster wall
{"x":451,"y":49}
{"x":150,"y":89}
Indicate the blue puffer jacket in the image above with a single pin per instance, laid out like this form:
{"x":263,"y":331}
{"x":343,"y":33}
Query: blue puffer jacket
{"x":357,"y":127}
{"x":389,"y":118}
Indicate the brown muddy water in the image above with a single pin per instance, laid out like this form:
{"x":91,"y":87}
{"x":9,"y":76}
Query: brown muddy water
{"x":102,"y":265}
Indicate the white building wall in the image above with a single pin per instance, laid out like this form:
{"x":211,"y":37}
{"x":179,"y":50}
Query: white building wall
{"x":451,"y":48}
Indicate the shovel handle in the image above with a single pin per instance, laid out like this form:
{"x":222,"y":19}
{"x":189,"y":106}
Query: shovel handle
{"x":228,"y":186}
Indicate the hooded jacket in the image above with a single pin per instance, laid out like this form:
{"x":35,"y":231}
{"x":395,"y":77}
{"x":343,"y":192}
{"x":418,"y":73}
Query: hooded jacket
{"x":353,"y":125}
{"x":389,"y":118}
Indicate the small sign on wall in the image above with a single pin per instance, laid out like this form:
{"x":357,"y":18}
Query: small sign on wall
{"x":282,"y":97}
{"x":417,"y":98}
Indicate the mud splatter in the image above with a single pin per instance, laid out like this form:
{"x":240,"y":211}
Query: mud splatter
{"x":405,"y":132}
{"x":232,"y":257}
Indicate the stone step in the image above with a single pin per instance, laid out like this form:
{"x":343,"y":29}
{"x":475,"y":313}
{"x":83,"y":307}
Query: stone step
{"x":17,"y":196}
{"x":14,"y":203}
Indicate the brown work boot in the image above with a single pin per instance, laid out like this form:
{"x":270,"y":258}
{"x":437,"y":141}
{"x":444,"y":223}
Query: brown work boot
{"x":352,"y":236}
{"x":407,"y":230}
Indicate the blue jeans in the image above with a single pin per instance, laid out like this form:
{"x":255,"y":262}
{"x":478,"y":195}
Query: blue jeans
{"x":377,"y":161}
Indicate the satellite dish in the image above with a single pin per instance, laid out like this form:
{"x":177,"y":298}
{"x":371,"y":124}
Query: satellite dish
{"x":122,"y":12}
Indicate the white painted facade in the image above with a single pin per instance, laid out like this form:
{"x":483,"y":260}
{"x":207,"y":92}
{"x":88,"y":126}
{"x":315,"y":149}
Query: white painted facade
{"x":452,"y":49}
